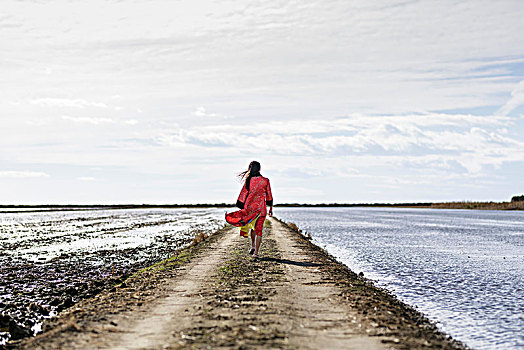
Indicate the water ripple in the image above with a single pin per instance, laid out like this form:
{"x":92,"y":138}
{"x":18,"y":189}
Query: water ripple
{"x":463,"y":269}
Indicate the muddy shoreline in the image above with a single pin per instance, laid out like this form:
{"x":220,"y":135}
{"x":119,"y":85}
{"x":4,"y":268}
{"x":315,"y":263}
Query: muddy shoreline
{"x":43,"y":290}
{"x":52,"y":262}
{"x":379,"y":314}
{"x":116,"y":295}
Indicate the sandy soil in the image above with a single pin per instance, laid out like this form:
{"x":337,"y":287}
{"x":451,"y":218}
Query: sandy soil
{"x":213,"y":295}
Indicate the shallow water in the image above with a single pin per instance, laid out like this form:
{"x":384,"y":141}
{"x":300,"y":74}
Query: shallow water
{"x":463,"y":269}
{"x":55,"y":259}
{"x":42,"y":236}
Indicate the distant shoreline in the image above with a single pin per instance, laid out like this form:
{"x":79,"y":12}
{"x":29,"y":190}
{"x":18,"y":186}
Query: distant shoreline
{"x":519,"y":205}
{"x":514,"y":205}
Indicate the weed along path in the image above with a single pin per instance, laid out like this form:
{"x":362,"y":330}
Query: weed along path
{"x":213,"y":295}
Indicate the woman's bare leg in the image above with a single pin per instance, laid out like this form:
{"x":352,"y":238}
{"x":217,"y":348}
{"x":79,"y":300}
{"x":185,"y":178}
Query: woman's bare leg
{"x":258,"y":241}
{"x":252,"y":238}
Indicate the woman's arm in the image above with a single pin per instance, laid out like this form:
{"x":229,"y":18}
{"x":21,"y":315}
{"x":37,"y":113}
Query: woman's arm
{"x":269,"y":198}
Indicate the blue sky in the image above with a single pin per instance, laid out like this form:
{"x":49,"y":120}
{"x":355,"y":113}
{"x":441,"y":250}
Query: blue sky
{"x":164,"y":102}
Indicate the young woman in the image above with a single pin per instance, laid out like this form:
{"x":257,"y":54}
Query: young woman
{"x":254,"y":196}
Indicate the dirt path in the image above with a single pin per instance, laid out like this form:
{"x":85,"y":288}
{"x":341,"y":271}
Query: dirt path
{"x":285,"y":306}
{"x":216,"y":296}
{"x":319,"y":318}
{"x":154,"y":327}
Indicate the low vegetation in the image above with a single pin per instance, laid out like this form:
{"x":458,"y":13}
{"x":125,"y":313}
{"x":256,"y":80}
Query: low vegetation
{"x":513,"y":205}
{"x":517,"y":198}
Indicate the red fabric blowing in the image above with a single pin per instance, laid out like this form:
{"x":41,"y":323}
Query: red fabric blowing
{"x":254,"y":202}
{"x":240,"y":217}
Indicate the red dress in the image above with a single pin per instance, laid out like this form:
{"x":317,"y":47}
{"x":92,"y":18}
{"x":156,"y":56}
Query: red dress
{"x":253,"y":202}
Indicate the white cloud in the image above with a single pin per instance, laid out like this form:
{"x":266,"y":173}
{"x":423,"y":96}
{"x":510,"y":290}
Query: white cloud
{"x":516,"y":100}
{"x":334,"y":58}
{"x":301,"y":191}
{"x":202,"y":112}
{"x":89,"y":120}
{"x":86,"y":178}
{"x":472,"y":141}
{"x":269,"y":79}
{"x":22,"y":174}
{"x":65,"y":102}
{"x":99,"y":120}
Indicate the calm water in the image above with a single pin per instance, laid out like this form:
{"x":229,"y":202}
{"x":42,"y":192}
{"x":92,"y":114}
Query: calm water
{"x":463,"y":269}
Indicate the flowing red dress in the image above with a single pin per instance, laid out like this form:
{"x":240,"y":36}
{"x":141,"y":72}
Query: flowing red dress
{"x":253,"y":203}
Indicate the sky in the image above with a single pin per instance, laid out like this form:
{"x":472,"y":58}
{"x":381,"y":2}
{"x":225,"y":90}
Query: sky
{"x":144,"y":101}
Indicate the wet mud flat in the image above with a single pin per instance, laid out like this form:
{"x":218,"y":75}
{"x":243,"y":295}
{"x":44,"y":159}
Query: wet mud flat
{"x":271,"y":302}
{"x":36,"y":291}
{"x":95,"y":315}
{"x":48,"y":262}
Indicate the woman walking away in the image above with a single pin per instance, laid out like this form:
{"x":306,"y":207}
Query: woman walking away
{"x":253,"y":198}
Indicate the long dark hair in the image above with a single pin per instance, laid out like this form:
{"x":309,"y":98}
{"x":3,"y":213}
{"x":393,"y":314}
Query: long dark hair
{"x":252,"y":171}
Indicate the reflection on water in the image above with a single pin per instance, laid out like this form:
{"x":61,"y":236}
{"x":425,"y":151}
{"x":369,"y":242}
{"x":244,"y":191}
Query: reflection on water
{"x":463,"y":269}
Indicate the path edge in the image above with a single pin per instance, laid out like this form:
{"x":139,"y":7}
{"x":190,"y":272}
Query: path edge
{"x":417,"y":325}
